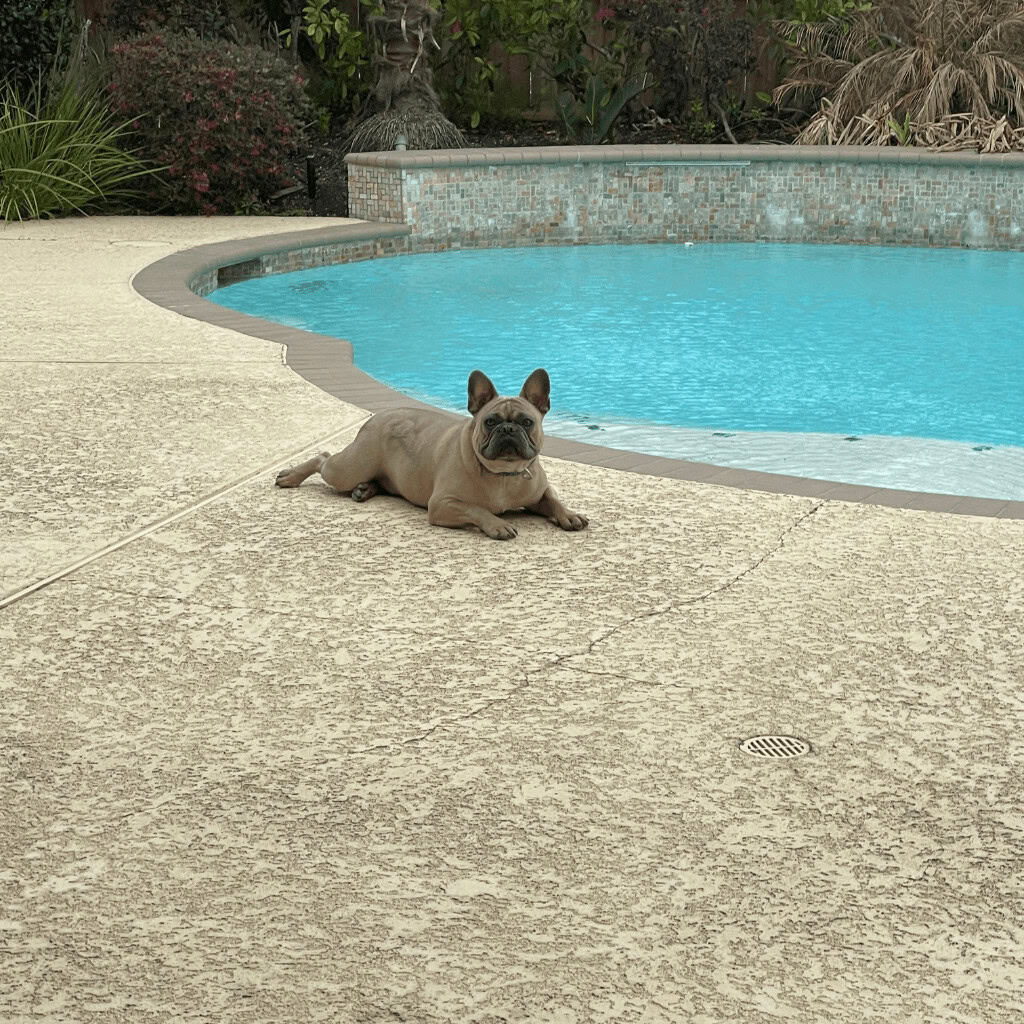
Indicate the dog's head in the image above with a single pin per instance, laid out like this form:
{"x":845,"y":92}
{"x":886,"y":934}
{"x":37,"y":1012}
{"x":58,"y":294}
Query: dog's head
{"x":507,"y":434}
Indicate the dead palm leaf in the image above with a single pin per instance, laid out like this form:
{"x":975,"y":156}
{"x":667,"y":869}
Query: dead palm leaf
{"x":925,"y":60}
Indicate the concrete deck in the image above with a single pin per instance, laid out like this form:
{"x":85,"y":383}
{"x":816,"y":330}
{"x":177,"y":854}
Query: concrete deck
{"x":277,"y":756}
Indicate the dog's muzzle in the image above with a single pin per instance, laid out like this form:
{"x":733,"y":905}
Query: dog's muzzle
{"x":508,"y":440}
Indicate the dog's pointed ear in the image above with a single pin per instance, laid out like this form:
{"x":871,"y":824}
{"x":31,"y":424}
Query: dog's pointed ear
{"x":481,"y":391}
{"x":537,"y":391}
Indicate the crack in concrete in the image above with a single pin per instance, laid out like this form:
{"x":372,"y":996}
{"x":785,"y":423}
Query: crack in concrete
{"x":559,"y":659}
{"x":673,"y":606}
{"x":555,"y":660}
{"x":487,"y":705}
{"x":779,"y":545}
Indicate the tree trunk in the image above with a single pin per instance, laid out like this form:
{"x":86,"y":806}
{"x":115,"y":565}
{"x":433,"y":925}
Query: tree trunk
{"x":406,"y":103}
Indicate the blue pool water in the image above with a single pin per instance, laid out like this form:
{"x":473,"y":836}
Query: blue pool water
{"x":786,"y":350}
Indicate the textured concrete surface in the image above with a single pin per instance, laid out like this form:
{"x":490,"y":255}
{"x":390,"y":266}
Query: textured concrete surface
{"x":291,"y":758}
{"x":117,"y":412}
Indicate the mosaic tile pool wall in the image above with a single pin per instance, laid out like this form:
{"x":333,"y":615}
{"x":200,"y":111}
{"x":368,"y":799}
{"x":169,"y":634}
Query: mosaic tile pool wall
{"x":566,"y":195}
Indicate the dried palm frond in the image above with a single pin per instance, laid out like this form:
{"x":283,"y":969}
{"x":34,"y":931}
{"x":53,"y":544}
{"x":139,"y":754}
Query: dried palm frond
{"x":423,"y":129}
{"x":922,"y":60}
{"x":952,"y":133}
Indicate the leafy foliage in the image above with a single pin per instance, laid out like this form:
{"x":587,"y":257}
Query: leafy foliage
{"x":589,"y":120}
{"x":570,"y":43}
{"x":909,"y":61}
{"x":688,"y":52}
{"x":224,"y":119}
{"x":595,"y":70}
{"x":211,"y":19}
{"x":696,"y":49}
{"x":804,"y":12}
{"x":468,"y":75}
{"x":61,"y":151}
{"x":33,"y":35}
{"x":344,"y":56}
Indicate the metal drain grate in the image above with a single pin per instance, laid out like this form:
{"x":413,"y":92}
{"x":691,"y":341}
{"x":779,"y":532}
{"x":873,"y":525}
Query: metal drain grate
{"x":775,"y":746}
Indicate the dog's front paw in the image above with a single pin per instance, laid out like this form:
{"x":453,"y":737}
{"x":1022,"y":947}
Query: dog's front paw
{"x":501,"y":531}
{"x":571,"y":521}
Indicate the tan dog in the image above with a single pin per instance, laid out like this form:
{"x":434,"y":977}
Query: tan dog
{"x":463,"y":472}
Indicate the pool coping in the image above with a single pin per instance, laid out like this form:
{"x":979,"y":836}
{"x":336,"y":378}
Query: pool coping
{"x":327,"y":363}
{"x":672,"y":154}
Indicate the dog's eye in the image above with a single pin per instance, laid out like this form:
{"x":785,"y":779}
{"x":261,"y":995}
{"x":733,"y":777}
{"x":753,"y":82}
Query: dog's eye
{"x":491,"y":421}
{"x":526,"y":422}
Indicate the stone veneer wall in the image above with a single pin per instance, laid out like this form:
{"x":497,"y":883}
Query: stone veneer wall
{"x":301,"y":257}
{"x":570,"y":195}
{"x":377,"y":192}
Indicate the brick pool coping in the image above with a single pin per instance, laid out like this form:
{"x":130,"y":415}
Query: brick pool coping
{"x":180,"y":281}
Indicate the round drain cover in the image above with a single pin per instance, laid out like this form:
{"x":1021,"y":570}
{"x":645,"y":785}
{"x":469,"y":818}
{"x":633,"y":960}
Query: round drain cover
{"x":775,"y":746}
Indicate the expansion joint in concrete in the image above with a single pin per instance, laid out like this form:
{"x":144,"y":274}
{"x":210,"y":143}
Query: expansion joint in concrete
{"x":169,"y":519}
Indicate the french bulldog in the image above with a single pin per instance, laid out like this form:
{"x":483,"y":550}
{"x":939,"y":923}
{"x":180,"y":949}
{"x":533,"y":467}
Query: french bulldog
{"x":463,"y":472}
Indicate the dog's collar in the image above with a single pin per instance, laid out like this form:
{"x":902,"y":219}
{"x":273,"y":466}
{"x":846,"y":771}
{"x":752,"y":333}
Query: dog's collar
{"x":519,"y":472}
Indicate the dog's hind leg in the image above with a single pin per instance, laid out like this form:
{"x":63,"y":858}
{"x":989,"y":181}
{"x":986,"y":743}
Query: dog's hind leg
{"x":355,"y":469}
{"x":365,"y":491}
{"x":294,"y":476}
{"x":352,"y":469}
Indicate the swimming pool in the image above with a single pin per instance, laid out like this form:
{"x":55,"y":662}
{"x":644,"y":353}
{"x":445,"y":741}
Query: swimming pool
{"x":883,"y":366}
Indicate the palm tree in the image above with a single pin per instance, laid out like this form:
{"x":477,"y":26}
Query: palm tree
{"x":905,"y":66}
{"x":404,"y":96}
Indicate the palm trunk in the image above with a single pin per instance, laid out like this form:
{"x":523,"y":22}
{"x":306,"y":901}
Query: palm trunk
{"x":405,"y":100}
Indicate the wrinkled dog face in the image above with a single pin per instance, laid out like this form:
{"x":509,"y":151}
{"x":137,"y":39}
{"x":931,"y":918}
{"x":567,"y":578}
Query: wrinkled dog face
{"x":507,"y":431}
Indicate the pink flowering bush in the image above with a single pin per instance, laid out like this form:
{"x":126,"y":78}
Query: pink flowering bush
{"x":225,"y":120}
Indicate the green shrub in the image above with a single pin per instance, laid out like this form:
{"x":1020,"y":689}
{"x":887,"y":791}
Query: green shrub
{"x":589,"y":119}
{"x":806,"y":12}
{"x":208,"y":18}
{"x":60,"y":152}
{"x":344,"y":58}
{"x":225,"y":119}
{"x":559,"y":38}
{"x":592,"y":72}
{"x":33,"y":35}
{"x":695,"y":51}
{"x":468,"y":78}
{"x":257,"y":22}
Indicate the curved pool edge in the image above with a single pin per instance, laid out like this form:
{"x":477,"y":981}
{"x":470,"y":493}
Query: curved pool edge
{"x":179,"y":282}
